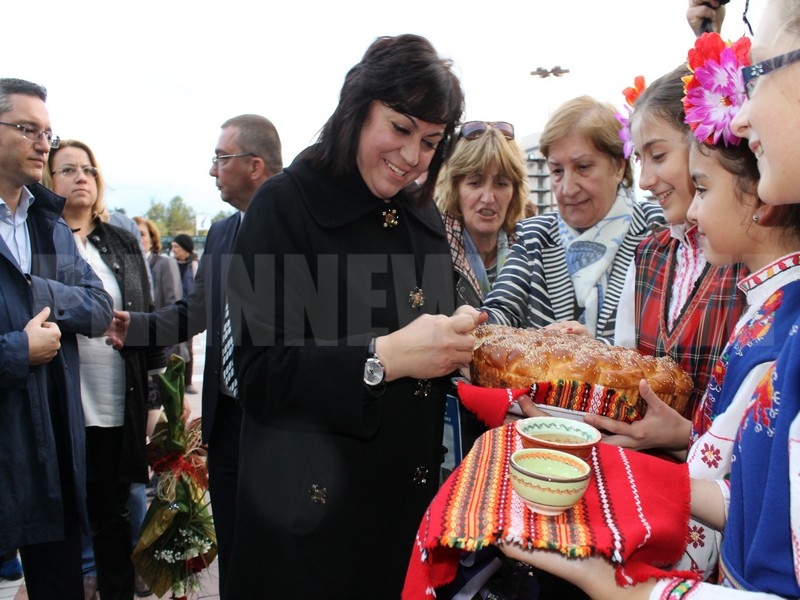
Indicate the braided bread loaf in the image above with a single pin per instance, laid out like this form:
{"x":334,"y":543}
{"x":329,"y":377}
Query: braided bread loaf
{"x":508,"y":357}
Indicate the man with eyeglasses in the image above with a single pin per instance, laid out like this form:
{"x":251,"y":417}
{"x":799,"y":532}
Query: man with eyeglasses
{"x":248,"y":152}
{"x":47,"y":295}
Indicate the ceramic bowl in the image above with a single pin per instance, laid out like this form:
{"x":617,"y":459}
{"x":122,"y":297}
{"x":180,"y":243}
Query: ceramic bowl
{"x":557,"y":433}
{"x":548,"y":481}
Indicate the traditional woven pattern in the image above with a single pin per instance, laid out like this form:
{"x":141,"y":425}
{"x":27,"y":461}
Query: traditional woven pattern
{"x":491,"y":404}
{"x":635,"y":513}
{"x":587,"y":397}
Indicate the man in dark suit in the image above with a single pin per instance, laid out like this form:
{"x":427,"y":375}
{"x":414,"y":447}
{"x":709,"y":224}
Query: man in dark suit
{"x":248,"y":152}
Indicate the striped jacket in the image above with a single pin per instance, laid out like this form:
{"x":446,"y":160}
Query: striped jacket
{"x":534,"y":288}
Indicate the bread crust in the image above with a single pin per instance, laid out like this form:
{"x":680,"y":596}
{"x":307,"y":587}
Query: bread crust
{"x":509,"y":357}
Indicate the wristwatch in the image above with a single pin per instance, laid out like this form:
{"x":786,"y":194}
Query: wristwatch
{"x":373,"y":367}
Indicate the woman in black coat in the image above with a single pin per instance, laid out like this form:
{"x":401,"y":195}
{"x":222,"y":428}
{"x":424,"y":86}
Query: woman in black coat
{"x":113,"y":383}
{"x":339,"y":288}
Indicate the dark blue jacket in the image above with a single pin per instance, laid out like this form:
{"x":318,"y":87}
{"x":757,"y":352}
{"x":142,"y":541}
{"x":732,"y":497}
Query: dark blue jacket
{"x":30,"y":490}
{"x":200,"y":311}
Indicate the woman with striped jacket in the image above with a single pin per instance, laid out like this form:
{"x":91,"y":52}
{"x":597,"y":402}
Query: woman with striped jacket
{"x":570,"y":265}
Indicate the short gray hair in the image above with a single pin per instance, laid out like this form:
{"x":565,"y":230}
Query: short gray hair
{"x":258,"y":135}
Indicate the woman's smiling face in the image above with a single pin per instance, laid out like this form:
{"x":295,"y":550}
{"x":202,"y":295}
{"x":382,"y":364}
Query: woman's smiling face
{"x":394,"y":149}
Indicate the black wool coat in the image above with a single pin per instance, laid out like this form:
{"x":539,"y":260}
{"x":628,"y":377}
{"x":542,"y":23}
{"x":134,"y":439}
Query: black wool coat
{"x":334,"y":476}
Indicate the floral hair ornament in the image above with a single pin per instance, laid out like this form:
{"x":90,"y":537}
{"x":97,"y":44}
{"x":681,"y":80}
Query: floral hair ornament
{"x":631,"y":94}
{"x":713,"y":93}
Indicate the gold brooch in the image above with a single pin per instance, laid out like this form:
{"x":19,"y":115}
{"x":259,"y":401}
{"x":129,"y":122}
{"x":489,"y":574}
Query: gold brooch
{"x":390,"y":218}
{"x":319,"y":494}
{"x":423,"y":388}
{"x":416,"y":298}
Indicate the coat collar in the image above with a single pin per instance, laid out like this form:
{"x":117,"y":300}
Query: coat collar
{"x":336,"y":203}
{"x":47,"y":204}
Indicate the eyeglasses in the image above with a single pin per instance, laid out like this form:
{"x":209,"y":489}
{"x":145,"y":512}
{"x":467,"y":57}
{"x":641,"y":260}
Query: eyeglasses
{"x":223,"y":157}
{"x":72,"y":171}
{"x":751,"y":73}
{"x":33,"y":134}
{"x":472,"y":130}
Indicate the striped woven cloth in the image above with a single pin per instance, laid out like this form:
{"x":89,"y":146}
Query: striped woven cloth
{"x":491,"y":404}
{"x":635,"y":513}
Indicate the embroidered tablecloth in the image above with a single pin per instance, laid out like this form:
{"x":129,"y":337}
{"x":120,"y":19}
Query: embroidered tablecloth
{"x":635,"y":513}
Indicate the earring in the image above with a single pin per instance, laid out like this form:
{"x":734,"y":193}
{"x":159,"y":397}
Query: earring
{"x":755,"y":218}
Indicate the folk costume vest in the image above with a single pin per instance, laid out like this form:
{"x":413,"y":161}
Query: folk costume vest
{"x":706,"y":321}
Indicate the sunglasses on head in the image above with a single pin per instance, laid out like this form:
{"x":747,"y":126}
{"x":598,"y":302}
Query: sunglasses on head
{"x":474,"y":129}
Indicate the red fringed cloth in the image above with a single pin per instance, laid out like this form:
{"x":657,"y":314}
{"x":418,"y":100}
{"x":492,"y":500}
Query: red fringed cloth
{"x":635,"y":513}
{"x":491,"y":404}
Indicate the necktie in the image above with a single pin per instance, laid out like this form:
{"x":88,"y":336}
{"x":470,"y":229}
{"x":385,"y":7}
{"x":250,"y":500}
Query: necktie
{"x":228,"y":374}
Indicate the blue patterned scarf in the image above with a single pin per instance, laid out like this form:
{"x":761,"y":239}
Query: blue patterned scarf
{"x":590,"y":255}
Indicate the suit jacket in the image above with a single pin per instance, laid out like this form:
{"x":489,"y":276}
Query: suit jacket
{"x":200,"y":311}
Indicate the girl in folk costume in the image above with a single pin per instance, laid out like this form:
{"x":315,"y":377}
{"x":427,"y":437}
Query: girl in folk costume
{"x":675,"y":303}
{"x":758,"y":505}
{"x":734,"y":225}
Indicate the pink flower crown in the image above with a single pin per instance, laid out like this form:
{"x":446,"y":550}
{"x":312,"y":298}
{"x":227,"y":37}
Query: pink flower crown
{"x":631,"y":94}
{"x":713,"y":93}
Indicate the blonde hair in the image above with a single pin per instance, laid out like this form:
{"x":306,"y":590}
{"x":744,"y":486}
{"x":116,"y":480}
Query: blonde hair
{"x":155,"y":234}
{"x":99,"y":209}
{"x":593,"y":120}
{"x":478,"y":156}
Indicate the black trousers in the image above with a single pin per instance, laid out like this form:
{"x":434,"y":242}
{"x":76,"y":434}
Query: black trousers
{"x":223,"y":473}
{"x":53,"y":570}
{"x":107,"y":499}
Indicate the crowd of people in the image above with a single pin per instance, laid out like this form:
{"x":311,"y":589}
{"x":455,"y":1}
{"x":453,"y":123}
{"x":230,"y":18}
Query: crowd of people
{"x":340,"y":300}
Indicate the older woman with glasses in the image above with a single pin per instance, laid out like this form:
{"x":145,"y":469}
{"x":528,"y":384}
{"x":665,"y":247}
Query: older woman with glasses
{"x":114,"y":384}
{"x":570,"y":265}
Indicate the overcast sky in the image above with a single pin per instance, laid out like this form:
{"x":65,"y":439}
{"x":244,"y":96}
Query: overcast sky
{"x":147,"y":84}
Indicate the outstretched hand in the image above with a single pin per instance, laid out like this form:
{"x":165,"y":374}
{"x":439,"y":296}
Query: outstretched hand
{"x":430,"y":346}
{"x":529,"y":408}
{"x":594,"y":575}
{"x":118,"y":329}
{"x":44,"y":338}
{"x":575,"y":327}
{"x":661,"y":427}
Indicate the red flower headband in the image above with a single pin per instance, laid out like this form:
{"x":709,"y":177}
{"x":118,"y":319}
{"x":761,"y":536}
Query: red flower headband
{"x":631,"y":94}
{"x":713,"y":93}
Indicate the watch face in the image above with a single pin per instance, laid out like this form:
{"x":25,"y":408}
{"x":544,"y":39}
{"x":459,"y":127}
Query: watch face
{"x":373,"y":371}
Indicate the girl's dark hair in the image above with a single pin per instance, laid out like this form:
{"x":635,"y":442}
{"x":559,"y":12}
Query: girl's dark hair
{"x":663,"y":99}
{"x":406,"y":74}
{"x":740,"y":161}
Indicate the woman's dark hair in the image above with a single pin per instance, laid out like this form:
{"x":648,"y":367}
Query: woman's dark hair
{"x":406,"y":74}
